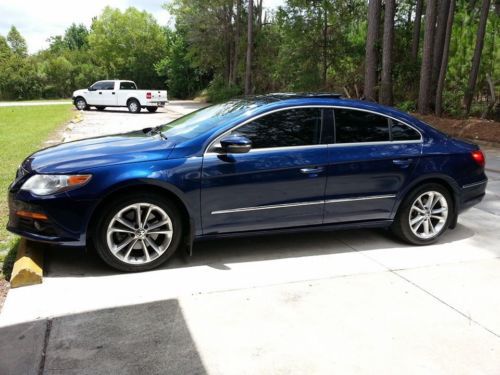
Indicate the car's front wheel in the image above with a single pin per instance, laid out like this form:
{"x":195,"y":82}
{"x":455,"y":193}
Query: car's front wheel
{"x":81,"y":104}
{"x":424,"y":215}
{"x":138,"y":233}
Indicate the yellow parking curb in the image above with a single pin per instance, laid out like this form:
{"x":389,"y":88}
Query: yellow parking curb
{"x":28,"y":267}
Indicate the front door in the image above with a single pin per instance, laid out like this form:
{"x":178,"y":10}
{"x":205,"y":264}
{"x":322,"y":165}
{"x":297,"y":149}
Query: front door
{"x":370,"y":162}
{"x":279,"y":183}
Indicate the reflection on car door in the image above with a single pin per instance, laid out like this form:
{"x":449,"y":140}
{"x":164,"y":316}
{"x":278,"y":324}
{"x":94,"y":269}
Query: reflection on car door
{"x":370,"y":162}
{"x":279,"y":183}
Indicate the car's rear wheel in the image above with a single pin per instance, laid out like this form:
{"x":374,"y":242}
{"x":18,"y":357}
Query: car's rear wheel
{"x":100,"y":108}
{"x":424,"y":215}
{"x":138,"y":233}
{"x":152,"y":109}
{"x":81,"y":104}
{"x":134,"y":106}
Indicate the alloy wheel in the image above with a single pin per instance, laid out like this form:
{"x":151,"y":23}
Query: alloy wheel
{"x":80,"y":104}
{"x":139,"y":233}
{"x":428,"y":215}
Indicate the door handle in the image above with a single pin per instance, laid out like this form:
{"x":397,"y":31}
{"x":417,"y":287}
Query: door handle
{"x":314,"y":170}
{"x":402,"y":162}
{"x":100,"y":92}
{"x":113,"y":93}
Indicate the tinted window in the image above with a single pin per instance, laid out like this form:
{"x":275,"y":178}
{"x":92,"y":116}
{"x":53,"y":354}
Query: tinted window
{"x":108,"y":85}
{"x":358,"y":126}
{"x":295,"y":127}
{"x":98,"y":85}
{"x":402,"y":132}
{"x":127,"y":86}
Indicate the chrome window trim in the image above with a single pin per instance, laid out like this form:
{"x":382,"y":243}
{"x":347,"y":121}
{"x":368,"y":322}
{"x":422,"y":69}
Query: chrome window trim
{"x":474,"y":184}
{"x":298,"y":204}
{"x":217,"y":139}
{"x":370,"y":197}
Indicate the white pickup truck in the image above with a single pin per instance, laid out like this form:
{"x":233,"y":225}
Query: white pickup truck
{"x":119,"y":93}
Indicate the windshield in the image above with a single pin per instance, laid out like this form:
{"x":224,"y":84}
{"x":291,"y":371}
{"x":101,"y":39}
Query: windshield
{"x":198,"y":122}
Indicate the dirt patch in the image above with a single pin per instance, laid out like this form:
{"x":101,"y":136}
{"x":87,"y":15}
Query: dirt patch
{"x":4,"y":288}
{"x":471,"y":128}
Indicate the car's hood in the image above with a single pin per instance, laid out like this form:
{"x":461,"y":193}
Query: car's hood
{"x":82,"y":155}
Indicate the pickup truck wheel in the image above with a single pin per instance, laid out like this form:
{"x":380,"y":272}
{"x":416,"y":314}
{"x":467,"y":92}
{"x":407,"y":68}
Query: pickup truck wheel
{"x":152,"y":109}
{"x":100,"y":108}
{"x":134,"y":106}
{"x":81,"y":104}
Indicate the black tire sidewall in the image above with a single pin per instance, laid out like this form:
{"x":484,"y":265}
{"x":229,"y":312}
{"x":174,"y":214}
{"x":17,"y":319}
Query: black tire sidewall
{"x":100,"y":240}
{"x":152,"y":109}
{"x":81,"y":99}
{"x":401,"y":226}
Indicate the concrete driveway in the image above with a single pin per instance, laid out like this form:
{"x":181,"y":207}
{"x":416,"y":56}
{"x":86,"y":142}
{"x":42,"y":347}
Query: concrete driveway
{"x":333,"y":302}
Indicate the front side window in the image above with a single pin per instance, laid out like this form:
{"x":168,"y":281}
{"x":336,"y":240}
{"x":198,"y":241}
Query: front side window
{"x":292,"y":127}
{"x":353,"y":126}
{"x":98,"y":85}
{"x":108,"y":85}
{"x":127,"y":86}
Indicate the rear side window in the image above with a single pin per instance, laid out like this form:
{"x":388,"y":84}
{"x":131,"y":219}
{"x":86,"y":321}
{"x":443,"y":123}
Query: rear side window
{"x":402,"y":132}
{"x":353,"y":126}
{"x":127,"y":86}
{"x":293,"y":127}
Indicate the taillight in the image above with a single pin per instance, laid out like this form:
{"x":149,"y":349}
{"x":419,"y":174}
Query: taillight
{"x":148,"y":95}
{"x":478,"y":157}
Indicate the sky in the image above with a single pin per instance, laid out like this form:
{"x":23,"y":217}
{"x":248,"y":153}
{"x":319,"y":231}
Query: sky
{"x":37,"y":20}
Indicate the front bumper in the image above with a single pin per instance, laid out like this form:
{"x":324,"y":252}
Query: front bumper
{"x":66,"y":224}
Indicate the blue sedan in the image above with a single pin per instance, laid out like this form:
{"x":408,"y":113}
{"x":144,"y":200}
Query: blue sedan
{"x":279,"y":162}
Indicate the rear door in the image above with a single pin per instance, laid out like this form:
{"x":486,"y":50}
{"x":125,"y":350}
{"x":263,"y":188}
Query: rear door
{"x":279,"y":183}
{"x":372,"y":159}
{"x":126,"y":90}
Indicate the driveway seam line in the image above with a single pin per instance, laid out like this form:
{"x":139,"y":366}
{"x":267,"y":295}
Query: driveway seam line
{"x":48,"y":329}
{"x":469,"y":318}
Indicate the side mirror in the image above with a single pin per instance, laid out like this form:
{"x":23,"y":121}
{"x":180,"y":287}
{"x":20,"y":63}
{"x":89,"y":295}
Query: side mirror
{"x":91,"y":88}
{"x":235,"y":144}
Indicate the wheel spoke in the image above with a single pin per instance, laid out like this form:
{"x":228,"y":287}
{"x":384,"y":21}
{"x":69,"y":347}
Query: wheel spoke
{"x":167,"y":232}
{"x":153,"y":245}
{"x":129,"y":250}
{"x":121,"y":230}
{"x":125,"y":222}
{"x":417,"y":220}
{"x":122,"y":245}
{"x":138,"y":215}
{"x":418,"y":209}
{"x":431,"y":227}
{"x":439,"y":210}
{"x":430,"y":199}
{"x":145,"y":248}
{"x":150,"y":208}
{"x":159,"y":224}
{"x":426,"y":227}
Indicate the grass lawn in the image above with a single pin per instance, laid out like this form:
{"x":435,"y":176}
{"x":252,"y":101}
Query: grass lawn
{"x":22,"y":131}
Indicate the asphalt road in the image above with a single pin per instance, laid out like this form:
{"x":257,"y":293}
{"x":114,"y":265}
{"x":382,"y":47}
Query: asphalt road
{"x":356,"y":302}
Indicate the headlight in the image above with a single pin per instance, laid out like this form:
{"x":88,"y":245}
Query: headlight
{"x":46,"y":184}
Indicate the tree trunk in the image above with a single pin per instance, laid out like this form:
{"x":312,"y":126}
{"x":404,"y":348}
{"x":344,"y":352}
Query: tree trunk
{"x":237,"y":35}
{"x":416,"y":30}
{"x":248,"y":72}
{"x":325,"y":43}
{"x":371,"y":49}
{"x":444,"y":61}
{"x":437,"y":55}
{"x":476,"y":60}
{"x":388,"y":39}
{"x":425,"y":70}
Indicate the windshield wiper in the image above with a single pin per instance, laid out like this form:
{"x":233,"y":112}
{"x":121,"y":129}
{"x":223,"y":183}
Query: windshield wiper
{"x":155,"y":131}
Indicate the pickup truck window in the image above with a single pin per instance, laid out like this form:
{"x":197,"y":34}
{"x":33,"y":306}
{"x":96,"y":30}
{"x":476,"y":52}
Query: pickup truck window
{"x":98,"y":85}
{"x":127,"y":86}
{"x":108,"y":85}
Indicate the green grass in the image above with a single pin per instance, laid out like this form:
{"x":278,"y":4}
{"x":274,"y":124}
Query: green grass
{"x":22,"y":131}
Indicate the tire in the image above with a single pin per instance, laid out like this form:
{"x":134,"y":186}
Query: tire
{"x":100,"y":108}
{"x":422,"y":233}
{"x":81,"y":104}
{"x":152,"y":109}
{"x":134,"y":106}
{"x":137,"y":253}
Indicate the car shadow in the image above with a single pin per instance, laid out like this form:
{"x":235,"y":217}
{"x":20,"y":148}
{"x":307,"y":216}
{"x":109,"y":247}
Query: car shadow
{"x":126,"y":112}
{"x":218,"y":253}
{"x":150,"y":338}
